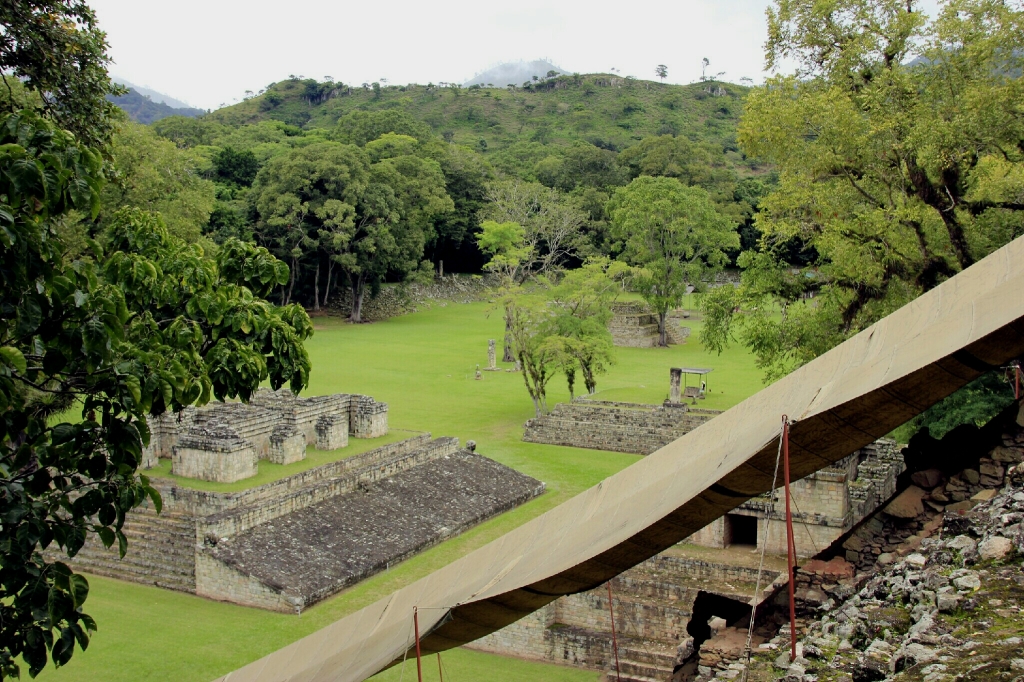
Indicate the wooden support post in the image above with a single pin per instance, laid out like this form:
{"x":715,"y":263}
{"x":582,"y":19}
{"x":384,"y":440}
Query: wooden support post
{"x":615,"y":642}
{"x":790,"y":542}
{"x":440,"y":674}
{"x":416,"y":628}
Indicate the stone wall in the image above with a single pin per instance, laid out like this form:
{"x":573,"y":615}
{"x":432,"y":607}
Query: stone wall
{"x":826,"y":504}
{"x":653,"y":604}
{"x":621,"y":427}
{"x":214,"y":452}
{"x":399,"y":299}
{"x":162,"y":547}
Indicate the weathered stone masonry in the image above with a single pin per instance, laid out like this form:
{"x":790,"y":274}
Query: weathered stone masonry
{"x":209,"y":443}
{"x":204,"y":542}
{"x":620,"y":427}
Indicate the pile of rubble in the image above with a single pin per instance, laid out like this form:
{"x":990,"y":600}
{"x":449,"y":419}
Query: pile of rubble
{"x":938,"y":588}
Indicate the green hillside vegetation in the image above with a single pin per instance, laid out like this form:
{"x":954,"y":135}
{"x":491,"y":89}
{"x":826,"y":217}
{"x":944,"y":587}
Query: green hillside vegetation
{"x":580,"y":136}
{"x":607,"y":111}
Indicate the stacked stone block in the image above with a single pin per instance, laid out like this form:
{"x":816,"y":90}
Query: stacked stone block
{"x":367,"y":417}
{"x":826,"y":504}
{"x":276,"y":424}
{"x":287,"y":445}
{"x":633,"y":325}
{"x":653,"y":603}
{"x":214,"y":452}
{"x":332,"y":432}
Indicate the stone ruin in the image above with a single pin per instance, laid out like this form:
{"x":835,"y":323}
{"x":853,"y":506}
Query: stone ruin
{"x":224,"y":442}
{"x":290,"y":543}
{"x":635,"y":428}
{"x":633,"y":325}
{"x":826,"y":504}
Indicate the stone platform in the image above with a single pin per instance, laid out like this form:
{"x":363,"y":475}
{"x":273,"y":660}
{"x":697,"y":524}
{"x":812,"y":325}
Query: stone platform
{"x":621,"y":427}
{"x":298,"y":559}
{"x":392,"y":501}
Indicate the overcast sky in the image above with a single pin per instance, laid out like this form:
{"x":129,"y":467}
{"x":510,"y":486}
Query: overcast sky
{"x":209,"y":52}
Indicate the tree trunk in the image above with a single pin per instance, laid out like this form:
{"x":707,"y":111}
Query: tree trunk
{"x":509,"y":356}
{"x":570,"y":378}
{"x":291,"y":283}
{"x":316,"y":286}
{"x":588,"y":378}
{"x":358,"y":289}
{"x":327,"y":290}
{"x":662,"y":336}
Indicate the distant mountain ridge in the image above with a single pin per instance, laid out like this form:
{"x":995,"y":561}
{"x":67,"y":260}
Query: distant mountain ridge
{"x":514,"y":73}
{"x":142,"y":109}
{"x":158,"y":97}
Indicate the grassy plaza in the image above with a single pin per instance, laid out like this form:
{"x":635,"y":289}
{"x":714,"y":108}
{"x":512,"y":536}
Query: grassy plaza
{"x":423,"y":365}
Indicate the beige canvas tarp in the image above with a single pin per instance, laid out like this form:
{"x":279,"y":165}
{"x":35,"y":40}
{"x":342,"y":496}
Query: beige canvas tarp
{"x":841,"y":401}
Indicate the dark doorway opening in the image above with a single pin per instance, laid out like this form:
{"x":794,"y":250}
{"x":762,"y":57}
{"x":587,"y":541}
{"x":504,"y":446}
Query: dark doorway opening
{"x":743,"y":529}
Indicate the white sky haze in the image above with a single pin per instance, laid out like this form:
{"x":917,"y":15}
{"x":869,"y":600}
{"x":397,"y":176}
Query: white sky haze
{"x":209,"y":52}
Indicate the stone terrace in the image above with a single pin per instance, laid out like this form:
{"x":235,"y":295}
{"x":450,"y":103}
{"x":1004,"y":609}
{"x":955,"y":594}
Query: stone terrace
{"x":300,"y":558}
{"x":653,"y":604}
{"x":621,"y":427}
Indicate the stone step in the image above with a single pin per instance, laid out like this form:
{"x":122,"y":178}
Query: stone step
{"x":166,"y":582}
{"x":658,"y":654}
{"x":634,"y":669}
{"x":137,"y":562}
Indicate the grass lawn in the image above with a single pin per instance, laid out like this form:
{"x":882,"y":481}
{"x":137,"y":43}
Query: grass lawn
{"x":423,"y":366}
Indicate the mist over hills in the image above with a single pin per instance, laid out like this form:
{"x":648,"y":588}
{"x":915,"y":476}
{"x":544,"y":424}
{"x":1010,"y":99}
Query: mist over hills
{"x":158,"y":97}
{"x":141,"y":109}
{"x":514,"y":73}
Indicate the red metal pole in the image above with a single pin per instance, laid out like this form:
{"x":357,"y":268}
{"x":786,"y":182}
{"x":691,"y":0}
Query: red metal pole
{"x":416,"y":627}
{"x":790,"y":542}
{"x":439,"y":673}
{"x":615,"y":641}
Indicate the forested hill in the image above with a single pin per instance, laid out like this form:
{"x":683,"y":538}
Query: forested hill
{"x":607,"y":111}
{"x":447,"y":158}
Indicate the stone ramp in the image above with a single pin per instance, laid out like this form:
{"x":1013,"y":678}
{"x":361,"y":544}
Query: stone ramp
{"x":638,"y":429}
{"x":297,"y":559}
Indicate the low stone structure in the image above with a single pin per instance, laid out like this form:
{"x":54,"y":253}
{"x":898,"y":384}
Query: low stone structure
{"x":826,"y":505}
{"x":289,"y":543}
{"x":298,"y":559}
{"x":622,"y":427}
{"x":214,"y":452}
{"x":276,"y":425}
{"x":633,"y":325}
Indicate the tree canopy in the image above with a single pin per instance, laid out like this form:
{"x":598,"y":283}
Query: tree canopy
{"x":898,"y":146}
{"x":137,"y":323}
{"x":673,"y":234}
{"x":56,"y":49}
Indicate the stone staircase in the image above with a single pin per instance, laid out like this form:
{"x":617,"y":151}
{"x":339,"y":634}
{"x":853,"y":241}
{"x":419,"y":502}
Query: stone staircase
{"x":161,"y":552}
{"x":642,"y":661}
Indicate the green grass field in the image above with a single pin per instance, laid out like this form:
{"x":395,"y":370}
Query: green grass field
{"x":422,"y":365}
